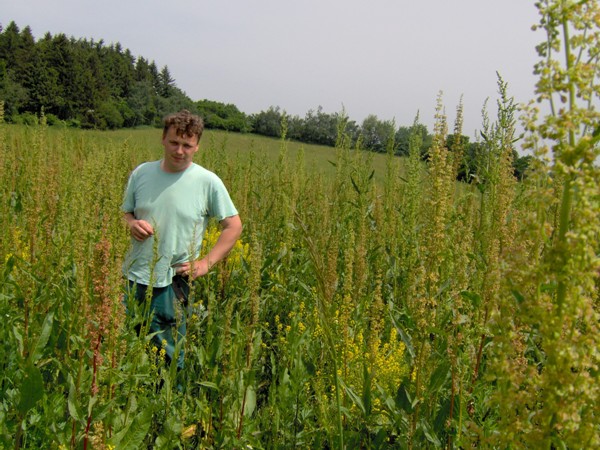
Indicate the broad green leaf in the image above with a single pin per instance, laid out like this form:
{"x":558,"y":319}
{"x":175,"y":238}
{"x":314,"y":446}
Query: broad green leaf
{"x":92,"y":402}
{"x":19,"y":338}
{"x":8,"y":265}
{"x":32,"y":389}
{"x":429,"y":434}
{"x":439,"y":377}
{"x":355,"y":186}
{"x":355,"y":398}
{"x":133,"y":434}
{"x":209,"y":384}
{"x":74,"y":408}
{"x":405,"y":337}
{"x":367,"y":387}
{"x":250,"y":401}
{"x":42,"y":339}
{"x":473,"y":297}
{"x":403,"y":398}
{"x":518,"y":296}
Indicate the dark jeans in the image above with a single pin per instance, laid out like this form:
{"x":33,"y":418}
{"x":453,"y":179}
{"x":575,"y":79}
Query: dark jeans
{"x":168,"y":309}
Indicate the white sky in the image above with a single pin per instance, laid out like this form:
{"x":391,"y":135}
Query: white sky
{"x":390,"y":58}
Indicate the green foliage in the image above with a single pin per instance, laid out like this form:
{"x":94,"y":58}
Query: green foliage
{"x":109,"y":116}
{"x":372,"y":302}
{"x":268,"y":123}
{"x":375,"y":134}
{"x":83,"y":81}
{"x":54,"y":121}
{"x":547,"y":362}
{"x":318,"y":127}
{"x":24,"y":119}
{"x":403,"y":139}
{"x":220,"y":116}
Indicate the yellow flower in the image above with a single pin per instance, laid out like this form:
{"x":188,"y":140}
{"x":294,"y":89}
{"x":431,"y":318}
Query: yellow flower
{"x":20,"y":247}
{"x":239,"y":251}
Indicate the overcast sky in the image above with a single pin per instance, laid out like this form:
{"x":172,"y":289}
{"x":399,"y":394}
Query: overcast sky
{"x":390,"y":58}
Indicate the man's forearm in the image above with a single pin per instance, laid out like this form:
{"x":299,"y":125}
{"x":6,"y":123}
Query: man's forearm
{"x":231,"y":232}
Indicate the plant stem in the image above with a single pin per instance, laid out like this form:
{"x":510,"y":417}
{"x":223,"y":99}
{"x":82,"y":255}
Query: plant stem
{"x":565,"y":207}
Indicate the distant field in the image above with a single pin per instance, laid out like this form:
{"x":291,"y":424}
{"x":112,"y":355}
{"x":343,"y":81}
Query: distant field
{"x":317,"y":157}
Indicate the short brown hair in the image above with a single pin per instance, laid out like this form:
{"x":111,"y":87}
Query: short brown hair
{"x":185,"y":123}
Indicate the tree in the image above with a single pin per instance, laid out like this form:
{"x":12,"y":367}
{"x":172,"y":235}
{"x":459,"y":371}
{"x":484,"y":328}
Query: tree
{"x":145,"y":71}
{"x":97,"y":85}
{"x":108,"y":115}
{"x":10,"y":39}
{"x":23,"y":54}
{"x":319,"y":127}
{"x":118,"y":69}
{"x":142,"y":101}
{"x":176,"y":101}
{"x":222,"y":116}
{"x":166,"y":83}
{"x":376,"y":134}
{"x":12,"y":93}
{"x":521,"y":164}
{"x":295,"y":125}
{"x":403,"y":138}
{"x":268,"y":123}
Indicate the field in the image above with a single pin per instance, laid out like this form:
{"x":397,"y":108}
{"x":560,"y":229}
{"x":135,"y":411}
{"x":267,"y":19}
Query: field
{"x":371,"y":302}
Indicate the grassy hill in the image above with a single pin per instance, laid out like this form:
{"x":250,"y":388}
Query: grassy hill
{"x":317,"y":157}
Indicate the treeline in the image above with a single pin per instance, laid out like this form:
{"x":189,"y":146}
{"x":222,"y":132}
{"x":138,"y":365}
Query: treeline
{"x":88,"y":84}
{"x":316,"y":127}
{"x":319,"y":127}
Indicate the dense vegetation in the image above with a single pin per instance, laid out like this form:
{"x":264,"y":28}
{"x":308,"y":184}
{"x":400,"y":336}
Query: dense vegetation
{"x":359,"y":310}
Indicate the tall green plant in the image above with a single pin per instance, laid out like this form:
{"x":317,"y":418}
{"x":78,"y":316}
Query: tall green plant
{"x":547,"y":360}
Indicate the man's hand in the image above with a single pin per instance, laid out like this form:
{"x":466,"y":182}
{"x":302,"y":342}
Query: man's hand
{"x":231,"y":229}
{"x":193,"y":270}
{"x":139,"y":229}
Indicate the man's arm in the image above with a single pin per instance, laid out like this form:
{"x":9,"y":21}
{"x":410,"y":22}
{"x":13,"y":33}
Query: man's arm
{"x":139,"y":229}
{"x":231,"y":230}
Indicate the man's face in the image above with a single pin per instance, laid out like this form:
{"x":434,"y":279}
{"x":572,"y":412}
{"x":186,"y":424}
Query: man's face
{"x":179,"y":151}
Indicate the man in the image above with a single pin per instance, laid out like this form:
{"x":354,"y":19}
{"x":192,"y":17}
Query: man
{"x":167,"y":206}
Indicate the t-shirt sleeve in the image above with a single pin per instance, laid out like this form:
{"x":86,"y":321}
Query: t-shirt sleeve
{"x":220,"y":204}
{"x":128,"y":204}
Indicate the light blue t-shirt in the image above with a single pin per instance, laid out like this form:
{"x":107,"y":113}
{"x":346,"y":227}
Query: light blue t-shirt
{"x":178,"y":206}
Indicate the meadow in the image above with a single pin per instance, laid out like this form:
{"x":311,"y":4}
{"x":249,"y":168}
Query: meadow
{"x":371,"y":302}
